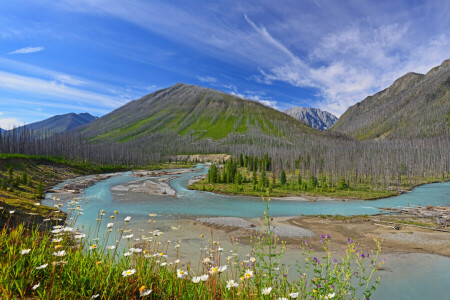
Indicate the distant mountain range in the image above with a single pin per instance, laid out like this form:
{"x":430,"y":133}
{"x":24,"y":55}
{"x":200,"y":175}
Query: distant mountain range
{"x":415,"y":105}
{"x":60,"y":123}
{"x":192,"y":111}
{"x":314,"y":117}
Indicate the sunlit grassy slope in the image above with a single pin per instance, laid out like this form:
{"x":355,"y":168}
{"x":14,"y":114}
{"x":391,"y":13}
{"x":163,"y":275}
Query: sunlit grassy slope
{"x":189,"y":110}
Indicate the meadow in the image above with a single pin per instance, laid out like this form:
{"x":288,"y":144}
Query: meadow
{"x":70,"y":263}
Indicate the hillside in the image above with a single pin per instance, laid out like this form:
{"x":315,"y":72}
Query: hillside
{"x":195,"y":112}
{"x":415,"y":105}
{"x":314,"y":117}
{"x":61,"y":123}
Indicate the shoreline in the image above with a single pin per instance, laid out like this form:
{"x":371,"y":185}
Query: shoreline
{"x":405,"y":240}
{"x":315,"y":198}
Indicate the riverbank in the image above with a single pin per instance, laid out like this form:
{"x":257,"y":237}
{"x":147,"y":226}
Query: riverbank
{"x":278,"y":193}
{"x":27,"y":178}
{"x":362,"y":229}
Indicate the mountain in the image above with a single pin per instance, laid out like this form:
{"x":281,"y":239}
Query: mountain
{"x":314,"y":117}
{"x":196,"y":113}
{"x":61,"y":123}
{"x":415,"y":105}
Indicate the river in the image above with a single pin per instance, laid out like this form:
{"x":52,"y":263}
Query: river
{"x":407,"y":276}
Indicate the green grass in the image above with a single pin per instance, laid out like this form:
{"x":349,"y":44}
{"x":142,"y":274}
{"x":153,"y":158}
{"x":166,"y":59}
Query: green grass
{"x":280,"y":191}
{"x":51,"y":170}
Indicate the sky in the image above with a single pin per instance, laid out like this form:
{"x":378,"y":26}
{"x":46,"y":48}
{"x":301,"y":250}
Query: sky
{"x":94,"y":56}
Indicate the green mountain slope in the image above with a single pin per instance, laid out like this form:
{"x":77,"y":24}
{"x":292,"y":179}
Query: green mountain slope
{"x":415,"y":105}
{"x":60,"y":123}
{"x":192,"y":111}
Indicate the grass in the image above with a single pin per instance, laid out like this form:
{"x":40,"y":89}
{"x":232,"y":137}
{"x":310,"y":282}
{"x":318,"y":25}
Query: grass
{"x":50,"y":170}
{"x":280,"y":191}
{"x":68,"y":264}
{"x":362,"y":190}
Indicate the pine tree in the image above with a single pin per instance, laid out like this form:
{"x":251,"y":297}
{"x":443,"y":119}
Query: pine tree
{"x":283,"y":177}
{"x":40,"y":190}
{"x":24,"y":177}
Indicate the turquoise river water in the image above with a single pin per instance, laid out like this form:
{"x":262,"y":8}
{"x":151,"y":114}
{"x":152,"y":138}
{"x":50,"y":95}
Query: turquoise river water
{"x":407,"y":276}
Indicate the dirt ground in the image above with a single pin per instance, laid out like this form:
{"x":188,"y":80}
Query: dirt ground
{"x":363,"y":231}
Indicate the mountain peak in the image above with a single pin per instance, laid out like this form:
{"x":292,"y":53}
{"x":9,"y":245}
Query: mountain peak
{"x":314,"y":117}
{"x":415,"y":105}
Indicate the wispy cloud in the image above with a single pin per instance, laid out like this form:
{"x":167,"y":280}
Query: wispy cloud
{"x":27,"y":50}
{"x":37,"y":86}
{"x":257,"y":96}
{"x":208,"y":79}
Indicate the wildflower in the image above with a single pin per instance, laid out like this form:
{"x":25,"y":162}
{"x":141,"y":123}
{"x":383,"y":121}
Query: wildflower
{"x":206,"y":260}
{"x":248,"y":274}
{"x":67,"y":229}
{"x":282,"y":298}
{"x":163,"y":264}
{"x":56,"y":230}
{"x":195,"y":279}
{"x":181,"y":273}
{"x":116,"y":212}
{"x":174,"y":228}
{"x":80,"y":236}
{"x":42,"y":267}
{"x":59,"y":253}
{"x":36,"y":286}
{"x":128,"y":236}
{"x":266,"y":291}
{"x":213,"y":270}
{"x":94,"y":296}
{"x":12,"y":211}
{"x":144,"y":293}
{"x":25,"y":251}
{"x":127,"y":219}
{"x":110,"y":225}
{"x":37,"y":204}
{"x":220,"y":249}
{"x":204,"y":277}
{"x":111,"y":247}
{"x":252,"y":259}
{"x":99,"y":262}
{"x":232,"y":284}
{"x":329,"y":296}
{"x":293,"y":295}
{"x":223,"y":268}
{"x":127,"y":254}
{"x":135,"y":250}
{"x":152,"y":215}
{"x":177,"y":245}
{"x":177,"y":261}
{"x":58,"y":246}
{"x":128,"y":272}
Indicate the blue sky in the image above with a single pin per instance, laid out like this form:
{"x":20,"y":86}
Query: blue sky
{"x":96,"y":55}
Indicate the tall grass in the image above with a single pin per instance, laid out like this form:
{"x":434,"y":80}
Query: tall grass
{"x":68,"y":264}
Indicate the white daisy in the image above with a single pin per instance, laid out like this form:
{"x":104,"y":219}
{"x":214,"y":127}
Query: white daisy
{"x":42,"y":267}
{"x":25,"y":251}
{"x":266,"y":291}
{"x":128,"y":272}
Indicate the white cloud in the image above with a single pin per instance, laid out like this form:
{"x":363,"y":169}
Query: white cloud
{"x":209,"y":79}
{"x":27,"y":50}
{"x":255,"y":96}
{"x":10,"y":123}
{"x":44,"y":87}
